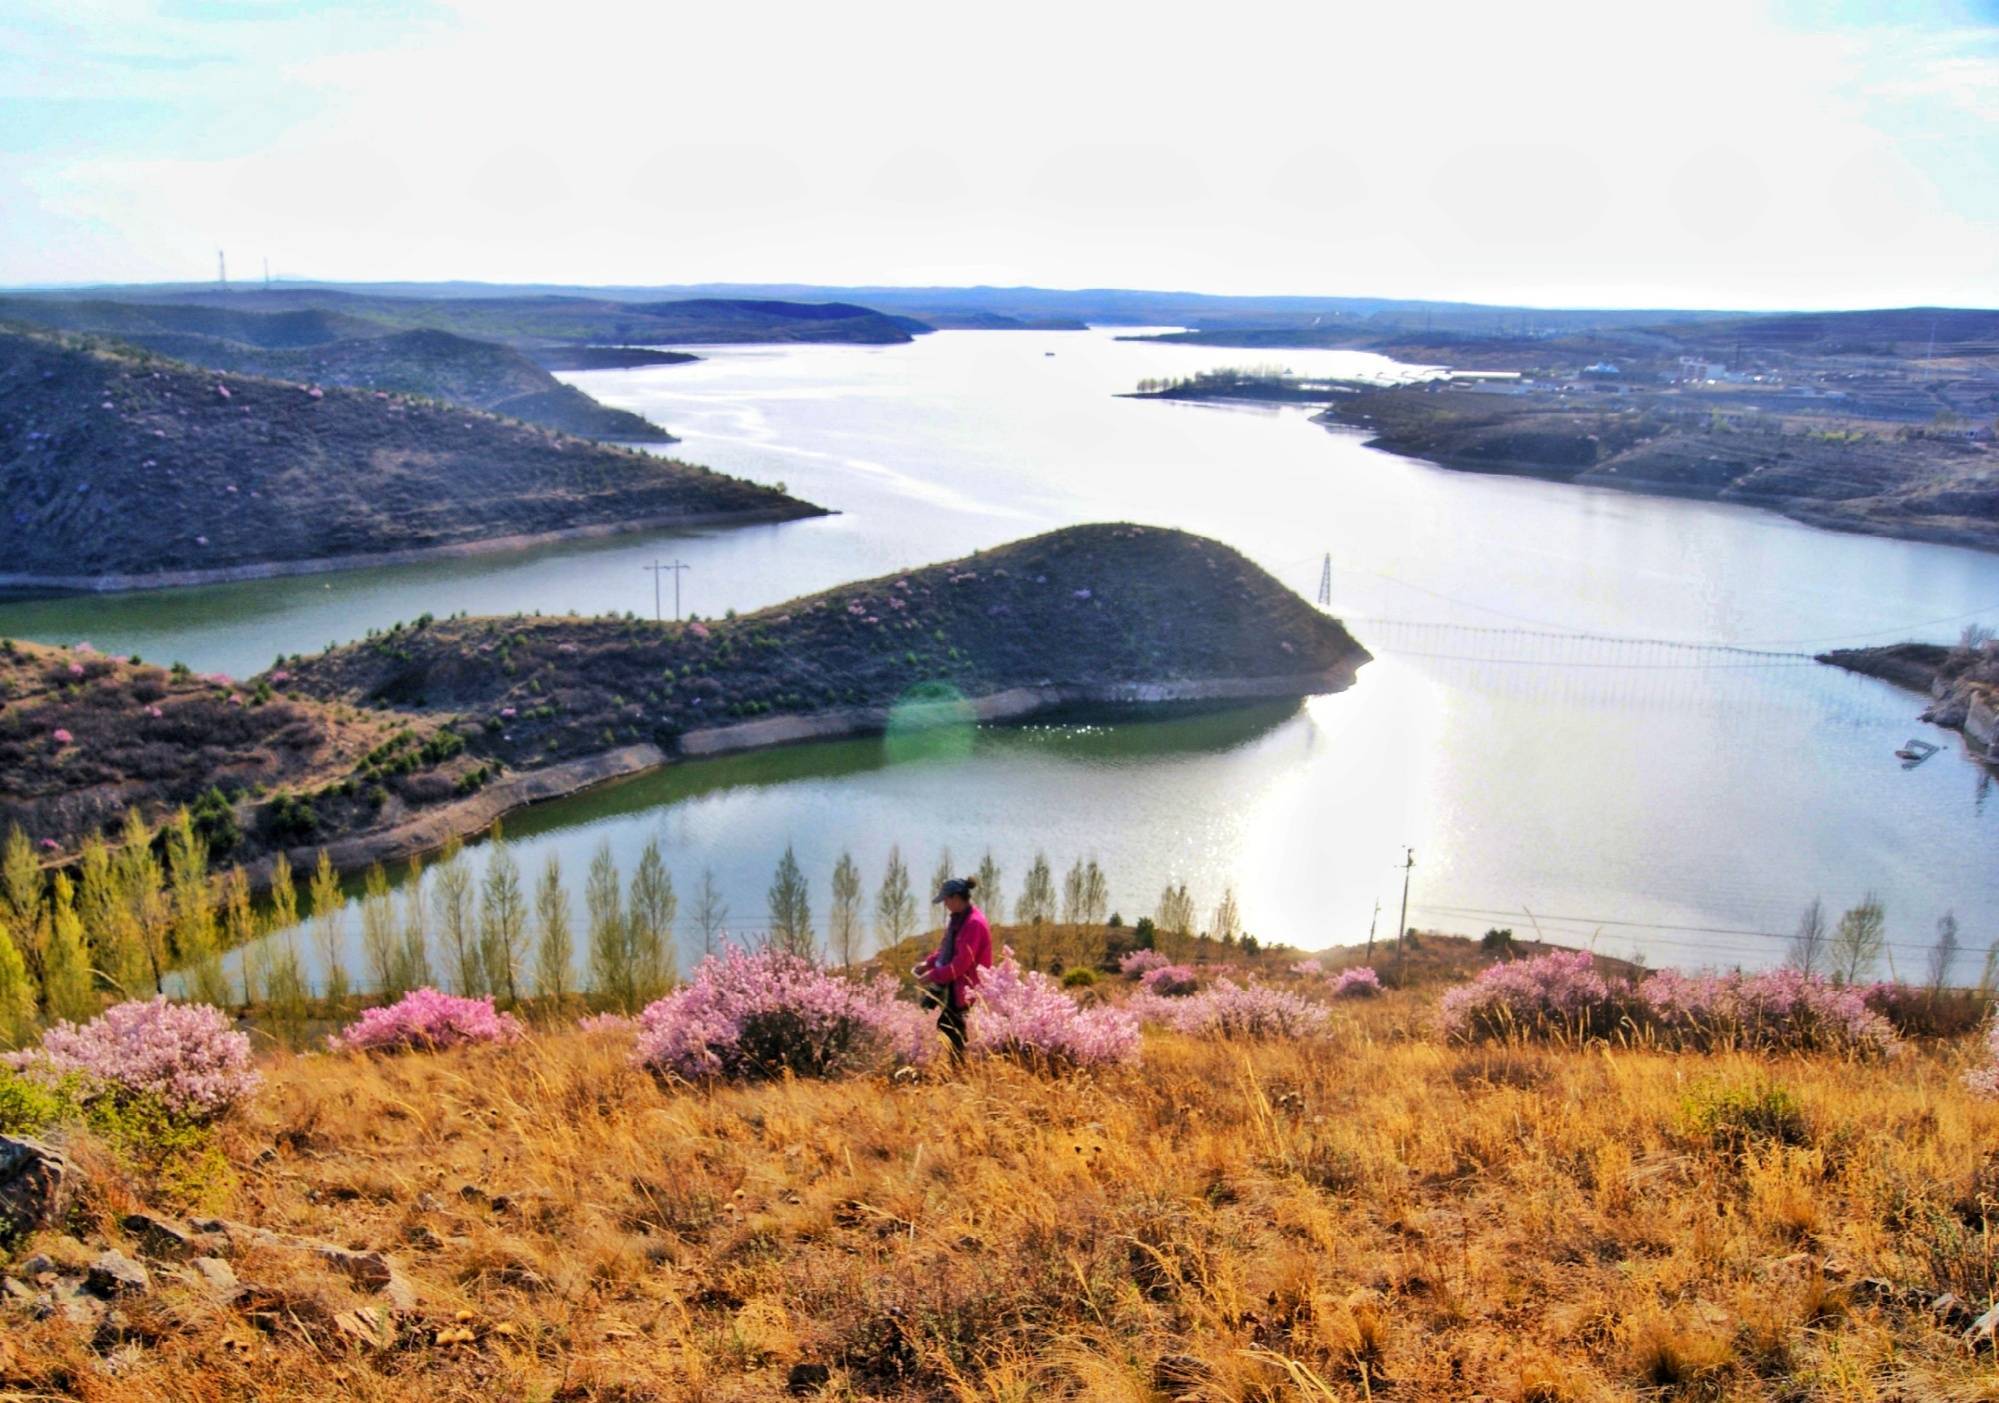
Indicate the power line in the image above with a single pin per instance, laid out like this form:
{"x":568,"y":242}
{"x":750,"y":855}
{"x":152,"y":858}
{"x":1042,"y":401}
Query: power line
{"x":1486,"y":912}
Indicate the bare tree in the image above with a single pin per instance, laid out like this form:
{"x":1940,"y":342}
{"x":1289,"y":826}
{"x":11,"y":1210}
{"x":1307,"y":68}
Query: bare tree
{"x":1858,"y":940}
{"x":895,"y":908}
{"x":991,"y":900}
{"x":1037,"y":894}
{"x":649,"y":918}
{"x":843,"y":921}
{"x":711,"y":913}
{"x":1096,"y":894}
{"x":1176,"y":910}
{"x":1072,"y":894}
{"x":1943,"y":954}
{"x":1808,"y":947}
{"x":555,"y":946}
{"x":1227,"y":920}
{"x":791,"y":908}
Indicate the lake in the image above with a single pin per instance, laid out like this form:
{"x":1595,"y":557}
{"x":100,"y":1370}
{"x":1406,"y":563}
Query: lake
{"x":1680,"y":803}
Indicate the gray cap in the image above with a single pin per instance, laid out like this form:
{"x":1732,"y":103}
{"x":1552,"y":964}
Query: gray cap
{"x":955,"y":886}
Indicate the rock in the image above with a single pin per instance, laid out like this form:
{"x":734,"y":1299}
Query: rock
{"x":35,"y":1186}
{"x":17,"y":1291}
{"x":372,"y":1271}
{"x":215,"y":1273}
{"x":170,"y":1239}
{"x":112,"y":1273}
{"x":1983,"y":1329}
{"x":807,"y":1378}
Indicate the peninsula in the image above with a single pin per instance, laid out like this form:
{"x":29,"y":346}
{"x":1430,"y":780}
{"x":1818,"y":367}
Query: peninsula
{"x":390,"y":745}
{"x":1962,"y":682}
{"x":124,"y":470}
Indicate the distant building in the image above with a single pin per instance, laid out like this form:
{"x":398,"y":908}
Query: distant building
{"x":1602,"y":368}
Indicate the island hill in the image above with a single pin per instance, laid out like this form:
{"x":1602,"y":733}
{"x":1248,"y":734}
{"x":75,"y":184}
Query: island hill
{"x":124,"y":470}
{"x":387,"y":746}
{"x":1962,"y":682}
{"x":1879,"y":422}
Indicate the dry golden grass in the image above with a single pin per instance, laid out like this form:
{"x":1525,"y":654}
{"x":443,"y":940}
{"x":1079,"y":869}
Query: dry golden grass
{"x":1377,"y":1216}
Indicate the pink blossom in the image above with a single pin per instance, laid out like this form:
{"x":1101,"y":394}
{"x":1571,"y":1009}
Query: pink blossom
{"x":76,"y":669}
{"x":1985,"y":1080}
{"x":186,"y":1055}
{"x":609,"y":1024}
{"x":1139,"y":962}
{"x":1360,"y":982}
{"x":85,"y":649}
{"x":51,"y":845}
{"x":427,"y":1019}
{"x":507,"y":713}
{"x":61,"y":736}
{"x":154,"y":712}
{"x":280,"y":677}
{"x":758,"y":1015}
{"x":314,"y":392}
{"x":1559,"y":993}
{"x":698,"y":629}
{"x":1230,"y":1010}
{"x":1170,"y":981}
{"x":1025,"y":1015}
{"x":1308,"y":969}
{"x":222,"y":391}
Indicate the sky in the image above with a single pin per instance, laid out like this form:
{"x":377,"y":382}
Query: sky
{"x":1697,"y":155}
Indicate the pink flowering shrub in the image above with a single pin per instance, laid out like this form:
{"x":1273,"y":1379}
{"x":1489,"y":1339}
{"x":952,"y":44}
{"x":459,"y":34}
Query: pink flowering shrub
{"x":1170,"y":981}
{"x":1780,"y":1009}
{"x":1231,"y":1010}
{"x":760,"y":1015}
{"x":1023,"y":1014}
{"x":61,"y":736}
{"x":427,"y":1019}
{"x":184,"y":1055}
{"x":1559,"y":994}
{"x":1140,"y":962}
{"x":1360,"y":982}
{"x":1308,"y":969}
{"x":608,"y":1025}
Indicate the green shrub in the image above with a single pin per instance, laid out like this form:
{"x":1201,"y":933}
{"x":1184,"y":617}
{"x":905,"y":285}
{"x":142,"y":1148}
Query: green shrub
{"x":1737,"y":1117}
{"x":1081,"y":977}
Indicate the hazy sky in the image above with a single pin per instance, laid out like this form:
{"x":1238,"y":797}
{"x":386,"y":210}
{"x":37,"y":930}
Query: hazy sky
{"x":1589,"y":154}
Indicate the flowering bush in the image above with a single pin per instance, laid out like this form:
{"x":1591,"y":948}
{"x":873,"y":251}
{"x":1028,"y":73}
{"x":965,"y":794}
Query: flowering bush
{"x":1779,"y":1009}
{"x":757,"y":1015}
{"x":1360,"y":982}
{"x":1308,"y":969}
{"x":61,"y":736}
{"x":1559,"y":993}
{"x":608,"y":1024}
{"x":1985,"y":1080}
{"x":426,"y":1019}
{"x":1025,"y":1015}
{"x":1140,"y":962}
{"x":1231,"y":1010}
{"x":185,"y":1055}
{"x":1170,"y":981}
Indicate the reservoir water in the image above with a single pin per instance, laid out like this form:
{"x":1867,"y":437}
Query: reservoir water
{"x":1681,"y":803}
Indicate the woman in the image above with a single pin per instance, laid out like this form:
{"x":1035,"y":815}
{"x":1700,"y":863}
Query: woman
{"x":951,"y":971}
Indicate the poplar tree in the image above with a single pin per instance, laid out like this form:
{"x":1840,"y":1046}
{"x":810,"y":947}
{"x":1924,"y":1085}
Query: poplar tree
{"x":17,"y":995}
{"x":943,"y":874}
{"x":381,"y":948}
{"x":895,"y":910}
{"x":1037,"y":893}
{"x":1227,"y":923}
{"x":239,"y":931}
{"x":413,"y":961}
{"x":992,"y":900}
{"x":1096,"y":894}
{"x":329,"y":928}
{"x":97,"y":906}
{"x":457,"y":926}
{"x":142,"y":887}
{"x":711,"y":913}
{"x":194,"y":934}
{"x":1072,"y":894}
{"x":66,"y":982}
{"x":555,"y":947}
{"x":285,"y":984}
{"x":790,"y":908}
{"x":610,"y":955}
{"x":503,"y":920}
{"x":21,"y":901}
{"x":843,"y":921}
{"x":649,"y":925}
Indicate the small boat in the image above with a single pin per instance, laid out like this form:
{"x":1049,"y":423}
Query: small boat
{"x":1915,"y":752}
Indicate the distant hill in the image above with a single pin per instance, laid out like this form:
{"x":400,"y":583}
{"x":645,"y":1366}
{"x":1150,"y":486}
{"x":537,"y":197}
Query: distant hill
{"x":384,"y":746}
{"x":538,"y":319}
{"x":120,"y":469}
{"x":333,"y":348}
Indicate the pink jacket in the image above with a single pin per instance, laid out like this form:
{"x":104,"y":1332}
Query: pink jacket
{"x":974,"y":952}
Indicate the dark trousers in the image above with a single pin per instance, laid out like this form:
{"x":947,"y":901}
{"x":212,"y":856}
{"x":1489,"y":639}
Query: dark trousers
{"x":951,"y":1023}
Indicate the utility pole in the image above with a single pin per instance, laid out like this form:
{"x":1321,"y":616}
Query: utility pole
{"x":1326,"y":582}
{"x":1373,"y":921}
{"x":1402,"y":922}
{"x":656,"y":567}
{"x":221,"y":270}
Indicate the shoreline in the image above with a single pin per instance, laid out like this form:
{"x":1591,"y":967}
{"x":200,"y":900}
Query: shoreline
{"x":429,"y":829}
{"x":20,"y":586}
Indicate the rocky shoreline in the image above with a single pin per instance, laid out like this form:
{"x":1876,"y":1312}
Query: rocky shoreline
{"x":1962,"y":682}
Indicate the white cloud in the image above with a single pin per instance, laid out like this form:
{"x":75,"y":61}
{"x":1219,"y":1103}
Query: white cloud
{"x":1565,"y":154}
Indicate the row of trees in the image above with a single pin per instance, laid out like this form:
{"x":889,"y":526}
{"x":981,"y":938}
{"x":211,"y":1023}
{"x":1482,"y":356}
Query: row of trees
{"x":1851,"y":948}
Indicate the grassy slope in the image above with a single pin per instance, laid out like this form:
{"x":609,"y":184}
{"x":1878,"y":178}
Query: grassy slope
{"x":121,"y":755}
{"x":1164,"y":606}
{"x":118,"y":463}
{"x":1399,"y":1217}
{"x":1156,"y":606}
